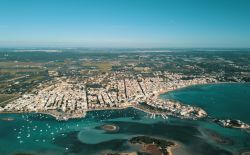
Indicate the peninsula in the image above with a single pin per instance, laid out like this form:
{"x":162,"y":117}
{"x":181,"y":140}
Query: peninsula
{"x":66,"y":98}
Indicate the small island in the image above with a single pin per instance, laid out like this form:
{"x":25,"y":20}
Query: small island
{"x":110,"y":127}
{"x":153,"y":145}
{"x":231,"y":123}
{"x":148,"y":145}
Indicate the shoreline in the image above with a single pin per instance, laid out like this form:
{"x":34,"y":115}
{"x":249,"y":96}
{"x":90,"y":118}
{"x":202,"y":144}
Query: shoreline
{"x":113,"y":108}
{"x":214,"y":83}
{"x":172,"y":148}
{"x":152,"y":143}
{"x":120,"y":108}
{"x":90,"y":110}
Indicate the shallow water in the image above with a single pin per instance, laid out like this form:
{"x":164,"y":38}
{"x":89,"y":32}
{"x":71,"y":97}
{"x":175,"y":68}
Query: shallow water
{"x":42,"y":134}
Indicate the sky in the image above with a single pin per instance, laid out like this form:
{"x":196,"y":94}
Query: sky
{"x":125,"y":23}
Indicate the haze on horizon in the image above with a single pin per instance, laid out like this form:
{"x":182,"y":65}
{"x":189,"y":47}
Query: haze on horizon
{"x":125,"y":23}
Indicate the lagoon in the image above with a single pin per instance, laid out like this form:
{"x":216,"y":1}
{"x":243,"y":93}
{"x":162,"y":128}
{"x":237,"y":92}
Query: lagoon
{"x":42,"y":134}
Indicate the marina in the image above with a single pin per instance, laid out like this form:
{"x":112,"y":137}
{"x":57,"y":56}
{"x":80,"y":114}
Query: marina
{"x":124,"y":77}
{"x":36,"y":131}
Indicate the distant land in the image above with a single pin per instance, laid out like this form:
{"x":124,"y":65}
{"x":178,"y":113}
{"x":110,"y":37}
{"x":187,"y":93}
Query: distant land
{"x":94,"y":101}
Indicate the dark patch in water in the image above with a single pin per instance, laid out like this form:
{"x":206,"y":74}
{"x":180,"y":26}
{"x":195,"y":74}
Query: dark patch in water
{"x":117,"y":113}
{"x":215,"y":136}
{"x":70,"y":141}
{"x":188,"y":135}
{"x":177,"y":132}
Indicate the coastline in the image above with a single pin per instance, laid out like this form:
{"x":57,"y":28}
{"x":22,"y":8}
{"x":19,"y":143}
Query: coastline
{"x":151,"y":144}
{"x":107,"y":108}
{"x":172,"y":148}
{"x":129,"y":105}
{"x":214,"y":83}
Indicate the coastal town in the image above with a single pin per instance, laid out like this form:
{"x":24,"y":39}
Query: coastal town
{"x":66,"y":98}
{"x":71,"y":99}
{"x":68,"y":86}
{"x":124,"y":77}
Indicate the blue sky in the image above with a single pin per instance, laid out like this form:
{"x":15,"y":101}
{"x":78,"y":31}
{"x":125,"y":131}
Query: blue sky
{"x":125,"y":23}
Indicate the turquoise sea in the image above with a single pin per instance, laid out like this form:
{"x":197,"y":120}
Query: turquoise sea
{"x":225,"y":100}
{"x":42,"y":134}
